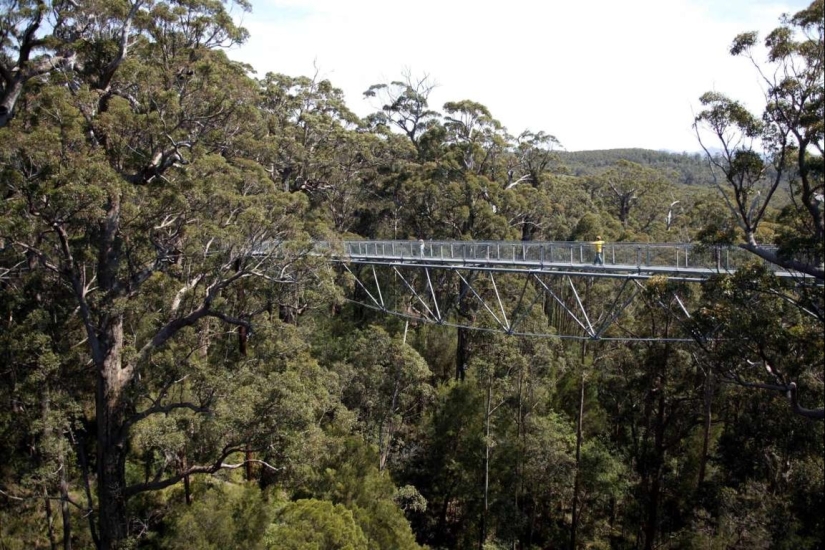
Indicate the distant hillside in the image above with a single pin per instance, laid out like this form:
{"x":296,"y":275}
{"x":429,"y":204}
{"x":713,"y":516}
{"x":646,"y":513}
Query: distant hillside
{"x":684,"y":168}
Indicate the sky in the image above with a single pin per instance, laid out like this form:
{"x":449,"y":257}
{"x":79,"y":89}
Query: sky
{"x":598,"y":74}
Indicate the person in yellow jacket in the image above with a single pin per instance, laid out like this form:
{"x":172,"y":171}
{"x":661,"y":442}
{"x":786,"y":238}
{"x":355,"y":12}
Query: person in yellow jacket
{"x":599,"y":246}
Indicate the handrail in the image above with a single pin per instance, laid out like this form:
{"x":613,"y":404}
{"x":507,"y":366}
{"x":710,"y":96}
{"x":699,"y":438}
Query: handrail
{"x":676,"y":256}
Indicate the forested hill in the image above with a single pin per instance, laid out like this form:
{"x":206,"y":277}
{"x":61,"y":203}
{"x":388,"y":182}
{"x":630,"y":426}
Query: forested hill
{"x":684,"y":168}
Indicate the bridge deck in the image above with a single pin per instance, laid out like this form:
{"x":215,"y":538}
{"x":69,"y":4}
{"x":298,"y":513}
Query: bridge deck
{"x":620,"y":259}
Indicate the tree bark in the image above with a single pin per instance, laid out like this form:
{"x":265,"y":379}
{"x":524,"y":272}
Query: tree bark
{"x":461,"y":354}
{"x":574,"y":523}
{"x":8,"y":101}
{"x":487,"y":414}
{"x":49,"y":519}
{"x":703,"y":460}
{"x":111,"y":449}
{"x":64,"y":504}
{"x":652,"y":519}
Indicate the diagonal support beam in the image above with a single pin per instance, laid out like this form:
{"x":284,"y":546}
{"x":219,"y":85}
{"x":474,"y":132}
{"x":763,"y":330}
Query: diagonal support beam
{"x":432,"y":294}
{"x":519,"y":314}
{"x":378,"y":303}
{"x":377,"y":286}
{"x":581,"y":306}
{"x":506,"y":323}
{"x":559,"y":301}
{"x":482,"y":301}
{"x":417,"y":296}
{"x":614,"y":312}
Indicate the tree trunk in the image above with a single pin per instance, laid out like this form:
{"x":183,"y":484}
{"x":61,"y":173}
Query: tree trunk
{"x":463,"y":340}
{"x":461,"y":354}
{"x":45,"y":408}
{"x":84,"y":468}
{"x":187,"y":489}
{"x":703,"y":460}
{"x":9,"y":99}
{"x":574,"y":523}
{"x":656,"y":473}
{"x":519,"y":485}
{"x":487,"y":414}
{"x":64,"y":504}
{"x":111,"y":445}
{"x":49,"y":519}
{"x":624,"y":209}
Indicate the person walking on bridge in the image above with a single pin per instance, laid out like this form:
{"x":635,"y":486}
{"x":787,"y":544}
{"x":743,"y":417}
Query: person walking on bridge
{"x":598,"y":244}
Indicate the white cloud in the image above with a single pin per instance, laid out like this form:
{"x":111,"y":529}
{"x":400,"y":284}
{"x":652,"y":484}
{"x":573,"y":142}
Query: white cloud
{"x":599,"y":74}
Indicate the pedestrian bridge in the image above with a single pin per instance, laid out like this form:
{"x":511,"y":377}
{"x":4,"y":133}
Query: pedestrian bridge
{"x":502,"y":286}
{"x":678,"y":261}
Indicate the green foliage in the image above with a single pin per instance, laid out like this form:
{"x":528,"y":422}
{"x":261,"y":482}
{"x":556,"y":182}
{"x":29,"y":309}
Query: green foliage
{"x":384,"y":382}
{"x":223,"y":516}
{"x":308,"y":524}
{"x":350,"y":478}
{"x":679,"y":168}
{"x":148,"y":359}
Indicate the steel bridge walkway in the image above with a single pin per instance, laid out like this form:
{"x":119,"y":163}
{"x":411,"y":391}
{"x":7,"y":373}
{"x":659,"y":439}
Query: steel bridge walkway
{"x":498,"y":286}
{"x":621,"y":260}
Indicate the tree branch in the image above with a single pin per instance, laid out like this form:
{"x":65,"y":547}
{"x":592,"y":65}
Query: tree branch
{"x":172,"y":327}
{"x":162,"y":409}
{"x":219,"y":464}
{"x":80,"y":295}
{"x":794,"y":265}
{"x":790,"y":391}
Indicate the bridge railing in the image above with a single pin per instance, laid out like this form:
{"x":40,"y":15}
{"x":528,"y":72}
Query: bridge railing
{"x":640,"y":255}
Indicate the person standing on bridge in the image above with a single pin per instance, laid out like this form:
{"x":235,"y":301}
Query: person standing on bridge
{"x":598,"y":244}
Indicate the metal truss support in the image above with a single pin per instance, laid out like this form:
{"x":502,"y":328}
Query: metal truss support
{"x":437,"y":294}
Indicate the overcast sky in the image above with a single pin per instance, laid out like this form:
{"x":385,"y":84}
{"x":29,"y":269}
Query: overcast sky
{"x":599,"y":74}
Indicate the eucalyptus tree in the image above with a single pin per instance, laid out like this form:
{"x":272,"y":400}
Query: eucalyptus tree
{"x":306,"y":121}
{"x":478,"y":141}
{"x":525,"y":201}
{"x":43,"y":38}
{"x":782,"y":144}
{"x":132,"y":192}
{"x":760,"y":159}
{"x":405,"y":106}
{"x":534,"y":154}
{"x":315,"y":145}
{"x":386,"y":383}
{"x":629,"y":187}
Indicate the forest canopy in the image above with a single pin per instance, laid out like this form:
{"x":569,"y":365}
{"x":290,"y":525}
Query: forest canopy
{"x":181,"y":369}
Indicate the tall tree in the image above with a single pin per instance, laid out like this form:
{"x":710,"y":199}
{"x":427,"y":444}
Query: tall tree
{"x":784,"y":144}
{"x":405,"y":106}
{"x":760,"y":158}
{"x":130,"y":189}
{"x":630,"y":187}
